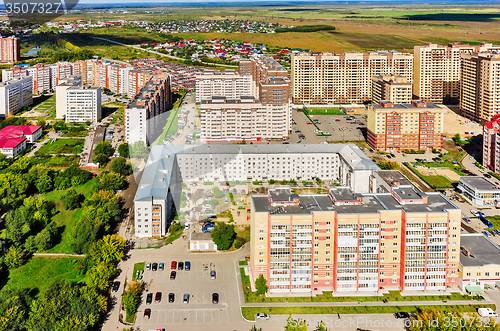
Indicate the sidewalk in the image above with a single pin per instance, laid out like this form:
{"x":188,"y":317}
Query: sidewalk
{"x":372,"y":303}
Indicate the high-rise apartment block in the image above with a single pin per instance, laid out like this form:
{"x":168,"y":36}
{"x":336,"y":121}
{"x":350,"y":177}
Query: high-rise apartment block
{"x":343,"y":78}
{"x":437,"y":72}
{"x":15,"y":94}
{"x":346,"y":242}
{"x":10,"y":49}
{"x":78,"y":103}
{"x":251,"y":105}
{"x":491,"y":144}
{"x":142,"y":114}
{"x":396,"y":89}
{"x":480,"y":88}
{"x":397,"y":127}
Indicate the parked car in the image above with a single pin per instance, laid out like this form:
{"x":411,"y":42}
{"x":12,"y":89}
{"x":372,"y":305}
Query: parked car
{"x":262,"y":316}
{"x":212,"y":274}
{"x":171,"y":297}
{"x":149,"y":298}
{"x":487,"y":175}
{"x":186,"y":226}
{"x":467,"y":220}
{"x":158,"y":297}
{"x":186,"y":298}
{"x":116,"y":286}
{"x":309,"y":122}
{"x":473,"y":212}
{"x":401,"y":314}
{"x":161,"y":266}
{"x":215,"y":298}
{"x":173,"y":265}
{"x":180,"y":266}
{"x":497,"y":231}
{"x":147,"y":313}
{"x":154,"y":267}
{"x":187,"y":265}
{"x":486,"y":312}
{"x":172,"y":275}
{"x":148,"y":266}
{"x":487,"y":234}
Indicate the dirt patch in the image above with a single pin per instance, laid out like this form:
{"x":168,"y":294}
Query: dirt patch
{"x":455,"y":123}
{"x":448,"y":173}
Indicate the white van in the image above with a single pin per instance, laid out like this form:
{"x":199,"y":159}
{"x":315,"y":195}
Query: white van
{"x":486,"y":312}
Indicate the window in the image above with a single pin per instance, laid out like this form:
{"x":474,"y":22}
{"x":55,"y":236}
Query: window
{"x":261,"y":261}
{"x":315,"y":260}
{"x":261,"y":239}
{"x":327,"y":260}
{"x":468,"y":274}
{"x":261,"y":253}
{"x":261,"y":231}
{"x":394,"y":280}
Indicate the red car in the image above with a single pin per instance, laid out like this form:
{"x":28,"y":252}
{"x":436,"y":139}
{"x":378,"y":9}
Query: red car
{"x":309,"y":122}
{"x":337,"y":120}
{"x":173,"y":266}
{"x":147,"y":313}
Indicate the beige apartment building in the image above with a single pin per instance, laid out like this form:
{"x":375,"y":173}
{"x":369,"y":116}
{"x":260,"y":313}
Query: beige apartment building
{"x":437,"y":71}
{"x":228,"y":83}
{"x":480,"y":89}
{"x":398,"y":127}
{"x":343,"y":78}
{"x":346,"y":242}
{"x":396,"y":89}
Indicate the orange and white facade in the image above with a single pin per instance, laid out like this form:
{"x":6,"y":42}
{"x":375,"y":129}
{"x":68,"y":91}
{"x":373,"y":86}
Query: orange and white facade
{"x":344,"y":242}
{"x":10,"y":49}
{"x":398,"y":127}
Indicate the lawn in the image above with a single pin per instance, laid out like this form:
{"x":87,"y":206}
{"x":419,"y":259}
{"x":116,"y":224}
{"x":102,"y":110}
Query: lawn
{"x":138,"y":267}
{"x":249,"y":312}
{"x":62,"y":146}
{"x":78,"y":134}
{"x":39,"y":273}
{"x":495,"y":220}
{"x":325,"y":111}
{"x":56,"y":161}
{"x":436,"y":182}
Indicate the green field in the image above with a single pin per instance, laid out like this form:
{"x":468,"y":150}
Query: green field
{"x":435,"y":182}
{"x":58,"y":161}
{"x":62,"y":146}
{"x":367,"y":41}
{"x":325,"y":111}
{"x":39,"y":273}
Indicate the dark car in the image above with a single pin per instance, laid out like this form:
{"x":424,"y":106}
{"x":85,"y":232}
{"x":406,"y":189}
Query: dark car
{"x":187,"y":265}
{"x":181,"y":265}
{"x":158,"y":297}
{"x":215,"y":298}
{"x":161,"y":266}
{"x":147,"y":313}
{"x":401,"y":314}
{"x":149,"y":298}
{"x":173,"y":266}
{"x":393,"y":155}
{"x":171,"y":297}
{"x":487,"y":175}
{"x":172,"y":275}
{"x":116,"y":286}
{"x":154,"y":267}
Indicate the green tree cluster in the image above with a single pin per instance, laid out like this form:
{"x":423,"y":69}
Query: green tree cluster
{"x":223,"y":235}
{"x":389,"y":165}
{"x":132,"y":297}
{"x":139,"y":150}
{"x":124,"y":150}
{"x":119,"y":165}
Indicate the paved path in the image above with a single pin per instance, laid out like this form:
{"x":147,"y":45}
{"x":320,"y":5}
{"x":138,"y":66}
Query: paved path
{"x":57,"y":255}
{"x":372,"y":303}
{"x":161,"y":54}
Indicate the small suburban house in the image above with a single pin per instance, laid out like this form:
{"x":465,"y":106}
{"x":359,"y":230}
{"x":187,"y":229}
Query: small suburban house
{"x":201,"y":242}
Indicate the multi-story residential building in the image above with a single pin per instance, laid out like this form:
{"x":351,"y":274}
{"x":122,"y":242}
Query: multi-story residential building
{"x":15,"y":94}
{"x":398,"y":127}
{"x":169,"y":166}
{"x":491,"y":144}
{"x":61,"y":94}
{"x":396,"y":89}
{"x":117,"y":78}
{"x":480,"y":87}
{"x":228,"y":83}
{"x":346,"y":242}
{"x":10,"y":49}
{"x":83,"y":104}
{"x":343,"y":78}
{"x":142,"y":114}
{"x":137,"y":78}
{"x":437,"y":73}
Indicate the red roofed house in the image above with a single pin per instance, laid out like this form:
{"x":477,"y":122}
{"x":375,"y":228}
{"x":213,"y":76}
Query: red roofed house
{"x":30,"y":132}
{"x":12,"y":147}
{"x":491,"y":144}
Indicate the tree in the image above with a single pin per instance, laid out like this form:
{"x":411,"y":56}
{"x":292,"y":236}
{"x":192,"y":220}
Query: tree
{"x":41,"y":122}
{"x":389,"y":165}
{"x":14,"y":222}
{"x":107,"y":250}
{"x":132,"y":297}
{"x":431,"y":319}
{"x":124,"y":150}
{"x":217,"y":192}
{"x":223,"y":235}
{"x":14,"y":257}
{"x":213,"y":202}
{"x":110,"y":181}
{"x":44,"y":184}
{"x":120,"y":166}
{"x":14,"y":308}
{"x":457,"y":139}
{"x":45,"y":239}
{"x":102,"y":159}
{"x":72,"y":200}
{"x":104,"y":147}
{"x":99,"y":276}
{"x":295,"y":324}
{"x":261,"y":285}
{"x":139,"y":150}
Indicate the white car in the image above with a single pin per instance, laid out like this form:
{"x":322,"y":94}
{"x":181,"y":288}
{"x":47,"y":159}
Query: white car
{"x":473,"y":212}
{"x":186,"y":226}
{"x":262,"y":316}
{"x":486,"y":312}
{"x":207,"y":206}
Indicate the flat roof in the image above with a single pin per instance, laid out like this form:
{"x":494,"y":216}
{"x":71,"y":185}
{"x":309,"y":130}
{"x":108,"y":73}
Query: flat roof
{"x":483,"y":251}
{"x":391,"y":177}
{"x":406,"y":106}
{"x":201,"y":236}
{"x":479,"y":183}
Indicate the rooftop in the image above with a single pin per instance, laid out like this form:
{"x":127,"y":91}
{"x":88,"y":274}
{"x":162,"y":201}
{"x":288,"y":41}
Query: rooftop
{"x":11,"y":142}
{"x":393,"y":177}
{"x":416,"y":105}
{"x":479,"y":183}
{"x":201,"y":236}
{"x":482,"y":250}
{"x":17,"y":131}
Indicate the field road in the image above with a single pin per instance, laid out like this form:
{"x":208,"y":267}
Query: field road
{"x":158,"y":53}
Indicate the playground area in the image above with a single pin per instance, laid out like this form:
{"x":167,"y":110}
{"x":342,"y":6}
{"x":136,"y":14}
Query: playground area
{"x":437,"y":171}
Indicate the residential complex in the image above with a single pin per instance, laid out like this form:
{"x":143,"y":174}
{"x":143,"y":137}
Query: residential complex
{"x":491,"y":144}
{"x":15,"y":94}
{"x":480,"y":87}
{"x":251,"y":105}
{"x":61,"y":95}
{"x":169,"y":166}
{"x":10,"y":49}
{"x":479,"y":191}
{"x":396,"y":89}
{"x":142,"y":115}
{"x":398,"y":127}
{"x":437,"y":73}
{"x":343,"y":78}
{"x":347,"y":242}
{"x":78,"y":103}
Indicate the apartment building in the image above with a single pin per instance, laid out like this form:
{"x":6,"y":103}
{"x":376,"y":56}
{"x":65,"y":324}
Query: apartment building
{"x":398,"y":127}
{"x":396,"y":89}
{"x":10,"y":49}
{"x":142,"y":114}
{"x":343,"y":78}
{"x":83,"y":104}
{"x":228,"y":83}
{"x":491,"y":144}
{"x":158,"y":193}
{"x":347,"y":242}
{"x":61,"y":94}
{"x":437,"y":73}
{"x":137,"y":78}
{"x":15,"y":94}
{"x":480,"y":87}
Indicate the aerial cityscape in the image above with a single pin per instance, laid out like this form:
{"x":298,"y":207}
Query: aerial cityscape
{"x":259,"y":166}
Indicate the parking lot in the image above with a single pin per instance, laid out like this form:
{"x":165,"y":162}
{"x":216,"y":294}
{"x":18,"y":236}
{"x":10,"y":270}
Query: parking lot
{"x":341,"y":129}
